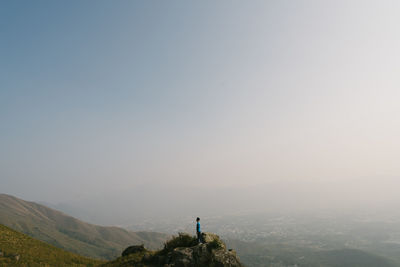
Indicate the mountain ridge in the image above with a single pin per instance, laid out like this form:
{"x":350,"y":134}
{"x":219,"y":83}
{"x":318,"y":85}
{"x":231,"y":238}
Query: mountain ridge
{"x":64,"y":231}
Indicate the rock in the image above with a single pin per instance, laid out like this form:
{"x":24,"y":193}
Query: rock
{"x":183,"y":251}
{"x":132,"y":250}
{"x":204,"y":254}
{"x":180,"y":257}
{"x":226,"y":258}
{"x":210,"y":238}
{"x":213,"y":241}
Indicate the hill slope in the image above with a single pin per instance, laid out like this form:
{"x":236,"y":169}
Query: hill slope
{"x":66,"y":232}
{"x":19,"y":249}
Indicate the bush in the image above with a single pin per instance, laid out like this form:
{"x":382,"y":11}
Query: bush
{"x":182,"y":240}
{"x":215,"y":244}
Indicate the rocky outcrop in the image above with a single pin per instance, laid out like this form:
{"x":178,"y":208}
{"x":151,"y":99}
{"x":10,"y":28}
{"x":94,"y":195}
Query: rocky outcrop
{"x":210,"y":253}
{"x":183,"y":251}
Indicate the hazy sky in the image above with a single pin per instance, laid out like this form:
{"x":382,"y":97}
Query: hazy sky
{"x":109,"y":96}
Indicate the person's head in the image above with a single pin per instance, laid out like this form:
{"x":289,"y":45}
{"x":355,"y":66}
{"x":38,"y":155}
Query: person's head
{"x":198,"y":219}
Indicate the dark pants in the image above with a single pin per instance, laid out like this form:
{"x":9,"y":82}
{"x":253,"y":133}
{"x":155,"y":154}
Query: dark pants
{"x":199,"y":237}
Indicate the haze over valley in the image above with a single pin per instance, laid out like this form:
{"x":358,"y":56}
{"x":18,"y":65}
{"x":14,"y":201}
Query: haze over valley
{"x":275,"y":122}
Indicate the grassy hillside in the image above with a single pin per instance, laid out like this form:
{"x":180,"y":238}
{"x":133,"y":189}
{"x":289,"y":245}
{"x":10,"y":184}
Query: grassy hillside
{"x":66,"y":232}
{"x":21,"y":250}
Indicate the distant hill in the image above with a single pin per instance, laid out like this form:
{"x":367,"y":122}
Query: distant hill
{"x":17,"y":249}
{"x":66,"y":232}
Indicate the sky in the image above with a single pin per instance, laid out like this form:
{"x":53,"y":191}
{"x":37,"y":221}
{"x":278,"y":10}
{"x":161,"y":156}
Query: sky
{"x":139,"y":100}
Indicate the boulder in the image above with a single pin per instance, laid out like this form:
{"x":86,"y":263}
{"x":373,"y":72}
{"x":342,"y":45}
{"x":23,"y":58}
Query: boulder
{"x":211,"y":253}
{"x":210,"y":238}
{"x":183,"y":251}
{"x":132,"y":250}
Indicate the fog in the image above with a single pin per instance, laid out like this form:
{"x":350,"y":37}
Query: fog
{"x":156,"y":202}
{"x":132,"y":110}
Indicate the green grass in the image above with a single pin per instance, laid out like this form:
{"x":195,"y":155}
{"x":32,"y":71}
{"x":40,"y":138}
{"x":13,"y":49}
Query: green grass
{"x":33,"y":252}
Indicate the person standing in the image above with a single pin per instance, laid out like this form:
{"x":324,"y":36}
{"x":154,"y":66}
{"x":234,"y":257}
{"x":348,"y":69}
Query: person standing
{"x":198,"y":230}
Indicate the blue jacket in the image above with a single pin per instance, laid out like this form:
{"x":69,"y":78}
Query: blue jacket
{"x":198,"y":227}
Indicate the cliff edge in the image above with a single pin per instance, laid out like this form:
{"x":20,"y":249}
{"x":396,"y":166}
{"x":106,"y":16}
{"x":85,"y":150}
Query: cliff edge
{"x":181,"y":251}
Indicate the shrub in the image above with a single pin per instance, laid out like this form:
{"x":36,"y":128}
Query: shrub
{"x":215,"y":244}
{"x":182,"y":240}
